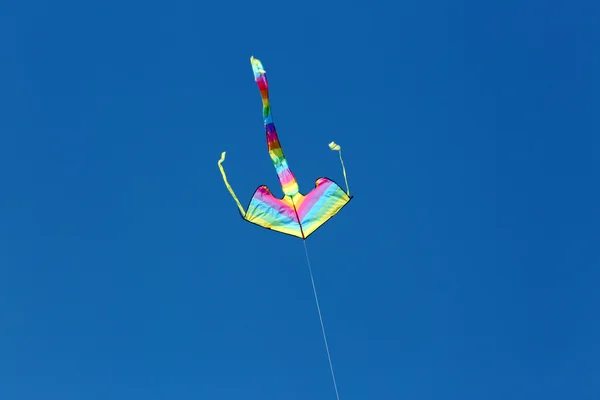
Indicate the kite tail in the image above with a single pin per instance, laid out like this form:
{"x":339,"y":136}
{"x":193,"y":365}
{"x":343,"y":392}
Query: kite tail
{"x":286,"y":178}
{"x":334,"y":146}
{"x":229,"y":186}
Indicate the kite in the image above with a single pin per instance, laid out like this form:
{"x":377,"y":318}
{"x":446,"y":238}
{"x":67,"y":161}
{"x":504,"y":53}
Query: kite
{"x":295,"y":213}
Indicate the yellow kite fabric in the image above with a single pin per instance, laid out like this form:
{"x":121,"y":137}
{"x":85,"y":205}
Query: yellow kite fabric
{"x":295,"y":213}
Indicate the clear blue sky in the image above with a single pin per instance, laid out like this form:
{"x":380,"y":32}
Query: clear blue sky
{"x":466,"y":267}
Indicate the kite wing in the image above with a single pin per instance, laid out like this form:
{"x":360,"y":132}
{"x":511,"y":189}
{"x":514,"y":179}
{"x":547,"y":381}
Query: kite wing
{"x":295,"y":213}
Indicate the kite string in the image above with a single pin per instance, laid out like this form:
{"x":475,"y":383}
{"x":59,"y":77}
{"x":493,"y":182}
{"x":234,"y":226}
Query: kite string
{"x":321,"y":320}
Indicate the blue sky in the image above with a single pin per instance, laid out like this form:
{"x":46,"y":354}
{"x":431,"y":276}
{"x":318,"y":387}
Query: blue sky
{"x":466,"y":267}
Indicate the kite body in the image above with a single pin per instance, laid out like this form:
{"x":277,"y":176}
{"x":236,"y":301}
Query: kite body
{"x":295,"y":213}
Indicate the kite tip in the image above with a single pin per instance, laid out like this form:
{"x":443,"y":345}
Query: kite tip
{"x":334,"y":146}
{"x":222,"y":157}
{"x":257,"y":65}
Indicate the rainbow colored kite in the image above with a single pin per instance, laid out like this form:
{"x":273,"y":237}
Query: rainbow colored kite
{"x":294,"y":214}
